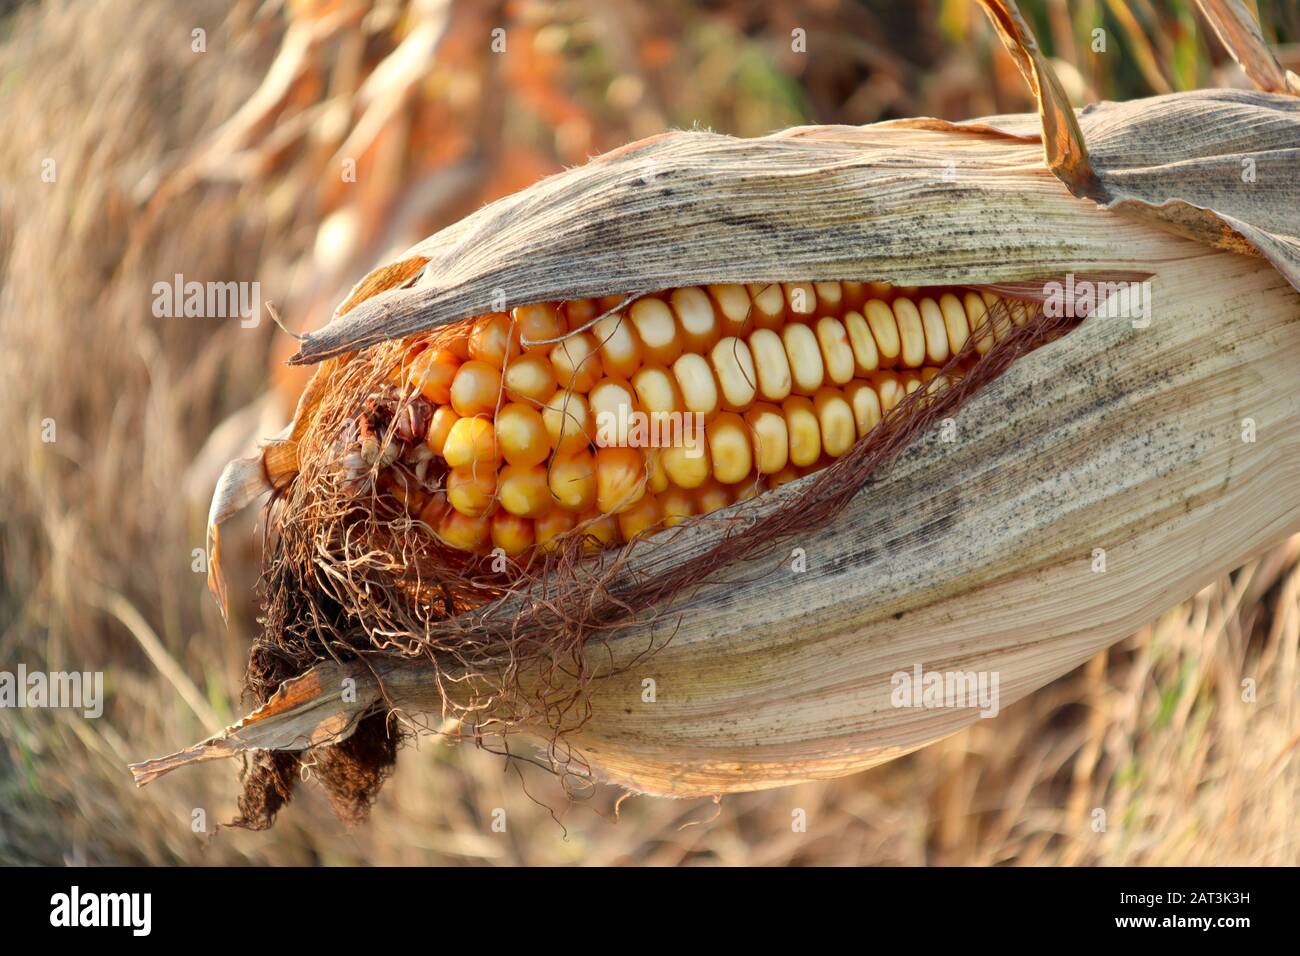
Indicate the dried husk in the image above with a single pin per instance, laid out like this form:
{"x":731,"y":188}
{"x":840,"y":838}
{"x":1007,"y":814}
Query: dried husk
{"x":977,"y":555}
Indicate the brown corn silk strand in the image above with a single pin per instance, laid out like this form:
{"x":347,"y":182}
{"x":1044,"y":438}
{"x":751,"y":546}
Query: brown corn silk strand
{"x":352,"y":574}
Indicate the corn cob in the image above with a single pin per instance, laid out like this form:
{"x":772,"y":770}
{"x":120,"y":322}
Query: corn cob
{"x":735,"y":388}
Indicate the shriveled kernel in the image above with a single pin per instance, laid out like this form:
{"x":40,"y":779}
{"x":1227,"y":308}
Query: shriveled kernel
{"x":522,"y":490}
{"x":572,"y":479}
{"x":936,"y":333}
{"x":576,"y":362}
{"x":464,"y":532}
{"x":493,"y":339}
{"x":530,"y":378}
{"x":837,"y":354}
{"x":444,"y":416}
{"x":866,"y":356}
{"x":884,"y":328}
{"x":568,"y":420}
{"x":612,"y":404}
{"x":803,"y":430}
{"x":865,"y":403}
{"x":432,"y":372}
{"x":620,"y":478}
{"x":699,"y":324}
{"x":676,"y":504}
{"x":688,"y":466}
{"x":768,"y":309}
{"x":729,"y":447}
{"x":699,"y":389}
{"x":805,"y":357}
{"x":955,"y":321}
{"x":549,"y":527}
{"x":538,"y":323}
{"x":770,"y":438}
{"x":471,"y":490}
{"x":471,"y":441}
{"x":620,"y":349}
{"x":800,"y":299}
{"x":911,"y":332}
{"x":476,"y":389}
{"x":521,"y":435}
{"x":656,"y":390}
{"x":711,"y":496}
{"x":512,"y":534}
{"x":641,"y":518}
{"x":734,"y":365}
{"x":657,"y":330}
{"x":773,"y":368}
{"x":838,"y":429}
{"x":734,"y":305}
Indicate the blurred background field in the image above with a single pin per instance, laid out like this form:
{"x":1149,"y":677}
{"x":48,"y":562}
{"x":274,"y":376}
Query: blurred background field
{"x":220,"y":155}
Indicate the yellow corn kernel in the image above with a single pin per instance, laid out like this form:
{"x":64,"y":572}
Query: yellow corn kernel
{"x":620,"y":349}
{"x":838,"y":429}
{"x":600,"y":531}
{"x":550,"y":526}
{"x":493,"y":339}
{"x":830,"y":298}
{"x":936,"y":334}
{"x":837,"y":354}
{"x":803,"y":429}
{"x":771,"y":364}
{"x":444,"y":416}
{"x":771,"y":440}
{"x":567,"y":418}
{"x":576,"y":362}
{"x":471,"y":441}
{"x":711,"y":496}
{"x":866,"y":357}
{"x":884,"y":328}
{"x":476,"y":389}
{"x":471,"y":491}
{"x":538,"y":323}
{"x":695,"y":381}
{"x":954,"y":320}
{"x":734,"y":366}
{"x":865,"y":404}
{"x":432,"y":372}
{"x":729,"y":448}
{"x":572,"y":479}
{"x":620,"y":478}
{"x":656,"y":390}
{"x":676,"y":504}
{"x":687,"y":467}
{"x":512,"y":534}
{"x":657,"y":330}
{"x":612,"y":404}
{"x":465,"y":533}
{"x":523,"y":490}
{"x":642,"y":517}
{"x":805,"y":357}
{"x":734,"y":305}
{"x":698,"y":322}
{"x":767,"y":306}
{"x":521,"y":435}
{"x":800,"y":299}
{"x":530,"y":378}
{"x":911,"y":332}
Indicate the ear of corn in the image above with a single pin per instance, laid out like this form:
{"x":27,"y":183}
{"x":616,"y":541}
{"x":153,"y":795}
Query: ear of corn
{"x":687,"y":401}
{"x":982,"y":553}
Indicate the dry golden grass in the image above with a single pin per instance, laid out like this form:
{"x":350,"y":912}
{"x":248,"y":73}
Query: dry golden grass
{"x":97,"y":539}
